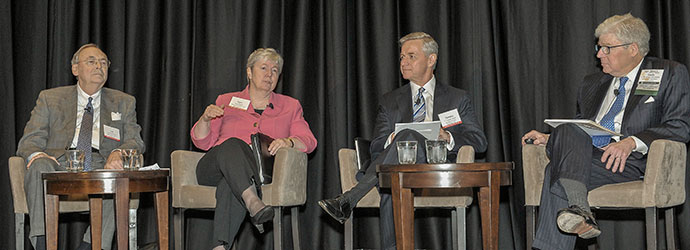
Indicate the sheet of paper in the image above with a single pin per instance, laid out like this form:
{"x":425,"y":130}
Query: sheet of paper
{"x":590,"y":127}
{"x":429,"y":130}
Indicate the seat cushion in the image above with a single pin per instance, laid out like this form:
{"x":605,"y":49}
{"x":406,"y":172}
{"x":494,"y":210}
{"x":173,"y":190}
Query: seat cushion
{"x":626,"y":194}
{"x":197,"y":196}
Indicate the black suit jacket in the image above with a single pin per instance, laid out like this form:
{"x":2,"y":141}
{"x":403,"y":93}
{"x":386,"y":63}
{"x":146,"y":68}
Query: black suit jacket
{"x":396,"y":106}
{"x":666,"y":116}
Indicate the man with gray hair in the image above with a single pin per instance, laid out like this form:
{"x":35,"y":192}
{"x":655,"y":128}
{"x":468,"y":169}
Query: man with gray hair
{"x":85,"y":116}
{"x":642,"y":111}
{"x":424,"y":99}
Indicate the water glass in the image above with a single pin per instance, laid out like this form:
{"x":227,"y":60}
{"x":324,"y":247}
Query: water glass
{"x":407,"y":152}
{"x":75,"y":160}
{"x":131,"y":159}
{"x":436,"y":151}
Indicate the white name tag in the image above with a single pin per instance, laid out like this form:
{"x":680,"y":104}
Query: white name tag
{"x":450,"y":118}
{"x":239,"y":103}
{"x":115,"y":116}
{"x":111,"y":133}
{"x":650,"y":80}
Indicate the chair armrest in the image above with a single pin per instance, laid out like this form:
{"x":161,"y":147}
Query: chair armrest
{"x":289,"y":184}
{"x":347,"y":159}
{"x":17,"y":169}
{"x":465,"y":154}
{"x":664,"y":180}
{"x":183,"y":171}
{"x":534,"y":162}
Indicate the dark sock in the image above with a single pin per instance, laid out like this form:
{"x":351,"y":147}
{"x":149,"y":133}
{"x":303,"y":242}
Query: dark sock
{"x":576,"y":192}
{"x":40,"y":242}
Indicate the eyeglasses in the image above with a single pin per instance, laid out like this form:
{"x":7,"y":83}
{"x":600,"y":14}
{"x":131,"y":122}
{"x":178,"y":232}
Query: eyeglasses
{"x":607,"y":49}
{"x":91,"y":62}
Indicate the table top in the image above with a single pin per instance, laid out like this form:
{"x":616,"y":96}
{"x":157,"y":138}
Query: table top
{"x":446,"y":175}
{"x":469,"y":167}
{"x":105,"y":174}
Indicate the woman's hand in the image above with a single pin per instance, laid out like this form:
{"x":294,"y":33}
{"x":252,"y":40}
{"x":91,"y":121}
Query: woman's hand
{"x":279,"y":143}
{"x":212,"y":111}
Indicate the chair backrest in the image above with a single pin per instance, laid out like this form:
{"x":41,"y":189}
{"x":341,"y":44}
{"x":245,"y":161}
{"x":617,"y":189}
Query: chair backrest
{"x":264,"y":159}
{"x":363,"y":153}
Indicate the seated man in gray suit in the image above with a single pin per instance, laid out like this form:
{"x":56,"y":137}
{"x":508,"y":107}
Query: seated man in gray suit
{"x":84,"y":116}
{"x":424,"y":99}
{"x":657,"y":107}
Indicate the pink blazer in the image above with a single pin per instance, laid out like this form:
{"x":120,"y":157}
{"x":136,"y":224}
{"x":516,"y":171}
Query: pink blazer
{"x":283,"y":118}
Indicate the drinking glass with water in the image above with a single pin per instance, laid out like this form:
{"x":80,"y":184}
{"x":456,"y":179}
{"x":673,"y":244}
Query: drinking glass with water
{"x":407,"y":152}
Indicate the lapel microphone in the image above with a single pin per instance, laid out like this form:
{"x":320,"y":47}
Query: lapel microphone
{"x":416,"y":102}
{"x":615,"y":92}
{"x":270,"y":105}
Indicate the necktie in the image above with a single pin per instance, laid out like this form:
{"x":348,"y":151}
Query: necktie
{"x":607,"y":120}
{"x":84,"y":141}
{"x":419,"y":107}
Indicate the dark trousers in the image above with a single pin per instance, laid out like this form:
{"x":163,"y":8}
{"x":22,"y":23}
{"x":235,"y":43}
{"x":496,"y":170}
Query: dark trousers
{"x":230,"y":167}
{"x":572,"y":156}
{"x":370,"y":179}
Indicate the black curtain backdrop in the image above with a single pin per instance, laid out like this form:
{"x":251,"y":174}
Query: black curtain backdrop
{"x":521,"y":61}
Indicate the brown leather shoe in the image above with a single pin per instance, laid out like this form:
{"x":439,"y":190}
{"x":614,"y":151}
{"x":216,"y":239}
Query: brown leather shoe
{"x":575,"y":219}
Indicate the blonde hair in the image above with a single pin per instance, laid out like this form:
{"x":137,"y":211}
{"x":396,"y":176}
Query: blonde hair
{"x":265,"y":54}
{"x":628,"y":29}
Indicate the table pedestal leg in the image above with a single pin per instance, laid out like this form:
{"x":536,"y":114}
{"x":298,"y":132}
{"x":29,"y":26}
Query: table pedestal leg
{"x":96,"y":216}
{"x":488,"y":203}
{"x":122,"y":212}
{"x":52,"y":206}
{"x":403,"y":212}
{"x":162,"y":214}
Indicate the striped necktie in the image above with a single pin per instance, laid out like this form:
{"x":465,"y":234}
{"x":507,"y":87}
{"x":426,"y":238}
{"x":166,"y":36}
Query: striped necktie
{"x":85,"y":131}
{"x":419,"y":107}
{"x":608,"y":120}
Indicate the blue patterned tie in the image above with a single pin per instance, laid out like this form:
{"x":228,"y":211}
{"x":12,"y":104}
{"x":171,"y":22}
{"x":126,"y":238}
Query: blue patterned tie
{"x":419,"y":107}
{"x":607,"y":120}
{"x":84,"y":141}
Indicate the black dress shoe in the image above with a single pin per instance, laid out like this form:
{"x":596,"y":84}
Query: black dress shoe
{"x":338,"y":208}
{"x":571,"y":219}
{"x":264,"y":215}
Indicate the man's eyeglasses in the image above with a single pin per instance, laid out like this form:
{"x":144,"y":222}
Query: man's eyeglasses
{"x":607,"y":49}
{"x":92,"y":62}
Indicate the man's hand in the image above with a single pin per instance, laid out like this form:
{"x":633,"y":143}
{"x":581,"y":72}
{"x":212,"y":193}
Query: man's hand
{"x":444,"y":135}
{"x":212,"y":111}
{"x":114,"y":160}
{"x":538,"y":138}
{"x":41,"y":155}
{"x":616,"y":153}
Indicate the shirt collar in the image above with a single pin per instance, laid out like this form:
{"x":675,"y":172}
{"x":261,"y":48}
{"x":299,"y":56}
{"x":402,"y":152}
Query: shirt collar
{"x":83,"y":98}
{"x":429,"y":86}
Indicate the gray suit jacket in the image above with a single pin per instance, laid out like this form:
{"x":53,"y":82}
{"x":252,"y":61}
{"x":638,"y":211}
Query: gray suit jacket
{"x":53,"y":122}
{"x":666,"y":117}
{"x":396,"y":106}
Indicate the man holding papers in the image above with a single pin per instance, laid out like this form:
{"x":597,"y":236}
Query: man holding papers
{"x":643,"y":98}
{"x":424,"y":99}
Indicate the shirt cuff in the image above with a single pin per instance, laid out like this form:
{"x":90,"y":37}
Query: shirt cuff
{"x":388,"y":141}
{"x":640,"y":146}
{"x":32,"y":155}
{"x":451,"y":143}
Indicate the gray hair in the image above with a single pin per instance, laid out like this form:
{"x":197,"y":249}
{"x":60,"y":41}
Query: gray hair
{"x":429,"y":45}
{"x":265,"y":54}
{"x":75,"y":57}
{"x":628,"y":29}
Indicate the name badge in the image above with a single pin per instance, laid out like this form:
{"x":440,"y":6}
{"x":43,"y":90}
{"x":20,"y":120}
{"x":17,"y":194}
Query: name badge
{"x":115,"y":116}
{"x":650,"y":80}
{"x":111,"y":132}
{"x":450,"y":118}
{"x":239,"y":103}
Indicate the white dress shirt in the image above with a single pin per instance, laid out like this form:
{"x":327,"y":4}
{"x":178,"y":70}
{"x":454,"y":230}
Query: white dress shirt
{"x":82,"y":101}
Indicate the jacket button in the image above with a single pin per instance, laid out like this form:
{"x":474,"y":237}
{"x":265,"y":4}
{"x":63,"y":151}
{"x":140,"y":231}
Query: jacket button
{"x":255,"y":124}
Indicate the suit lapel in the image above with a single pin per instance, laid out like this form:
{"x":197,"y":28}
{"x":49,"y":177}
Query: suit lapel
{"x":105,"y":113}
{"x":440,"y":94}
{"x":405,"y":104}
{"x":70,"y":103}
{"x":633,"y":100}
{"x":596,"y":98}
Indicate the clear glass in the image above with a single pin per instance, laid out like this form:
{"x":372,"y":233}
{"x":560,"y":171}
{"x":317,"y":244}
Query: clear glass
{"x":75,"y":160}
{"x":436,"y":151}
{"x":131,"y":159}
{"x":407,"y":152}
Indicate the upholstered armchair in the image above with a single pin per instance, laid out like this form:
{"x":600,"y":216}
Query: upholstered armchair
{"x":663,"y":187}
{"x":18,"y":170}
{"x":457,"y":199}
{"x":287,"y":189}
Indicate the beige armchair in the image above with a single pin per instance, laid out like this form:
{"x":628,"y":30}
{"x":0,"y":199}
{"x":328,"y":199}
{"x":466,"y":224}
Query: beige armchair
{"x":17,"y":169}
{"x":456,"y":199}
{"x":663,"y":187}
{"x":288,"y":189}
